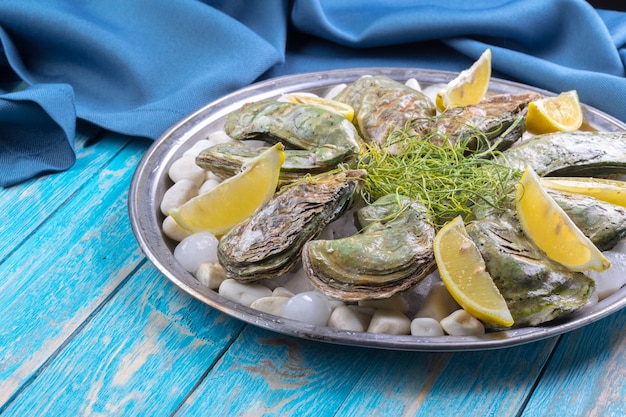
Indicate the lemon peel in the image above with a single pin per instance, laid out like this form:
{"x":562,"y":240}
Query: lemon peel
{"x":604,"y":189}
{"x":310,"y":99}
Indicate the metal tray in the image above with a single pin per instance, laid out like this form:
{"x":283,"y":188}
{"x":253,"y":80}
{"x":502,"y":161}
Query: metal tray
{"x":150,"y":181}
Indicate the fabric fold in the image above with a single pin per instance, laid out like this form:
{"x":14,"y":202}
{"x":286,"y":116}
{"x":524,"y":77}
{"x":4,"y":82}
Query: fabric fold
{"x":136,"y":67}
{"x":533,"y":41}
{"x":37,"y":128}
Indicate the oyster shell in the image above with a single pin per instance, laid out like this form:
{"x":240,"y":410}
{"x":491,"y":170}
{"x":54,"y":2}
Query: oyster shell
{"x":536,"y":289}
{"x":269,"y":243}
{"x":226,"y":159}
{"x":570,"y":154}
{"x":296,"y":125}
{"x":392,"y":253}
{"x":382,"y":104}
{"x":604,"y":223}
{"x":500,"y":118}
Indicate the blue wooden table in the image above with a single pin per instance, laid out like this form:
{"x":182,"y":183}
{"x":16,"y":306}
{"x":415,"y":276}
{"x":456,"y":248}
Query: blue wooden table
{"x":89,"y":327}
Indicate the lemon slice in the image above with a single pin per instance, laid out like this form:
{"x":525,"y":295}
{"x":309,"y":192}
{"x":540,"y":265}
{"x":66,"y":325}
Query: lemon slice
{"x":310,"y":99}
{"x":235,"y":198}
{"x":609,"y":190}
{"x":462,"y":270}
{"x":469,"y":87}
{"x":555,"y":114}
{"x":552,"y":230}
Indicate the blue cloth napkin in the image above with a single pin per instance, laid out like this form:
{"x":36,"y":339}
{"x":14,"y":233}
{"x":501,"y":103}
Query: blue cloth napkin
{"x":138,"y":66}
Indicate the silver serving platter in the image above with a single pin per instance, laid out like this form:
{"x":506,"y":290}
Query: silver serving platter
{"x":151,"y":180}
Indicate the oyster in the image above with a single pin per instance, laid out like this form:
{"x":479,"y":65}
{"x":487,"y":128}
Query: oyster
{"x":226,"y":159}
{"x":382,"y":105}
{"x":269,"y":243}
{"x":392,"y":253}
{"x":570,"y":154}
{"x":500,"y":118}
{"x":536,"y":289}
{"x":296,"y":125}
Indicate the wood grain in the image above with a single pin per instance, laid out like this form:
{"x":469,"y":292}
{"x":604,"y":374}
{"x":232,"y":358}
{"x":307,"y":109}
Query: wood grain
{"x":47,"y":294}
{"x":23,"y":208}
{"x":140,"y":355}
{"x":266,"y":374}
{"x":586,"y":375}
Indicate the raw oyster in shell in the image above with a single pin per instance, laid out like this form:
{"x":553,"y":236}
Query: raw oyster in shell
{"x":500,"y":118}
{"x":382,"y":104}
{"x":536,"y":289}
{"x":570,"y":154}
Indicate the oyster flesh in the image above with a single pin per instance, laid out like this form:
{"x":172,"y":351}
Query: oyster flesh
{"x":392,"y":253}
{"x":269,"y":242}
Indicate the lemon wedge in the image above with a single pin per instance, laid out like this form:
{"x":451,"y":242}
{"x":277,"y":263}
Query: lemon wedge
{"x":310,"y":99}
{"x":469,"y":87}
{"x":562,"y":113}
{"x":608,"y":190}
{"x":462,"y":270}
{"x":234,"y":199}
{"x":546,"y":224}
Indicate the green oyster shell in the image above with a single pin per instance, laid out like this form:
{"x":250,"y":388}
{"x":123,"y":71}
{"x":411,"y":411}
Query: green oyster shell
{"x":500,"y":118}
{"x":603,"y":223}
{"x":570,"y":154}
{"x":226,"y":159}
{"x":536,"y":289}
{"x":392,"y":253}
{"x":382,"y":104}
{"x":296,"y":125}
{"x":269,"y":243}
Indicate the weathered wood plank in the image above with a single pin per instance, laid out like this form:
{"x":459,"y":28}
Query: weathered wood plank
{"x":267,"y":374}
{"x":46,"y":295}
{"x":487,"y":383}
{"x":139,"y":356}
{"x":587,"y":373}
{"x":264,"y":373}
{"x":24,"y":207}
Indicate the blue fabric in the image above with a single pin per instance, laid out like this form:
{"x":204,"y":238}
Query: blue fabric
{"x":138,"y":66}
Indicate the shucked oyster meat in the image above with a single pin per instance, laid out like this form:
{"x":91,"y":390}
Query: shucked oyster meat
{"x":392,"y":253}
{"x":269,"y":242}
